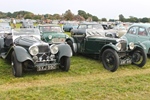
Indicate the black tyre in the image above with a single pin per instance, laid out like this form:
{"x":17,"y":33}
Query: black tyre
{"x":16,"y":65}
{"x":110,"y":60}
{"x":71,"y":45}
{"x":65,"y":63}
{"x":139,"y":57}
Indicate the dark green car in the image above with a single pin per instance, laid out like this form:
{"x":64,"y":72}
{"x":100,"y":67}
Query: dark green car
{"x":52,"y":33}
{"x":112,"y":51}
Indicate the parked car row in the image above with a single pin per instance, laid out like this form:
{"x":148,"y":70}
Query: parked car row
{"x":47,"y":47}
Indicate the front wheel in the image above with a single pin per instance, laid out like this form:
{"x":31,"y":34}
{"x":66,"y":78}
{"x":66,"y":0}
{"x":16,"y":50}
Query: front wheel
{"x":65,"y":63}
{"x":16,"y":65}
{"x":110,"y":60}
{"x":139,"y":58}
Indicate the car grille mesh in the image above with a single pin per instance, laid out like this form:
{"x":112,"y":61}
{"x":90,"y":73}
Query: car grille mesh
{"x":58,"y":40}
{"x":43,"y":48}
{"x":124,"y":46}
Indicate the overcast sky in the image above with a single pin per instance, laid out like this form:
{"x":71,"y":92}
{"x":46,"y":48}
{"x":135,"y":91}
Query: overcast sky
{"x":100,"y":8}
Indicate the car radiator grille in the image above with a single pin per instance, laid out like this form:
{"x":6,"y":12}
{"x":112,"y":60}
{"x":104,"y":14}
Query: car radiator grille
{"x":58,"y":40}
{"x":43,"y":49}
{"x":124,"y":46}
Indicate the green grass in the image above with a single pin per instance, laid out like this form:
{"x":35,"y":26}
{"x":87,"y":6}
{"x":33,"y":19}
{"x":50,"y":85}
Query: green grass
{"x":86,"y":80}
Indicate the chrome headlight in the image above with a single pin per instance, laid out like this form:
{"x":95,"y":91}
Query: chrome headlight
{"x":54,"y":49}
{"x":50,"y":37}
{"x":118,"y":45}
{"x":34,"y":50}
{"x":131,"y":45}
{"x":117,"y":34}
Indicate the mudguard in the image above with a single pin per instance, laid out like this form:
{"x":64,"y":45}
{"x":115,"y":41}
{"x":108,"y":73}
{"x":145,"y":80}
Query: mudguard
{"x":22,"y":54}
{"x":64,"y":50}
{"x":142,"y":46}
{"x":71,"y":39}
{"x":110,"y":45}
{"x":74,"y":43}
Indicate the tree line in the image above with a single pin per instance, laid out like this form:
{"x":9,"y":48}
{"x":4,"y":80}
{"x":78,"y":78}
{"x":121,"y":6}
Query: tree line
{"x":69,"y":16}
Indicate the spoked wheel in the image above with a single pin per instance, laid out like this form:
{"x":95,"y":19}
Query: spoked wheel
{"x":139,"y":57}
{"x":110,"y":60}
{"x":16,"y":65}
{"x":65,"y":63}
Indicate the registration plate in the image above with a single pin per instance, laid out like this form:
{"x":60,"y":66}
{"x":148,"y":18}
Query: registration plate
{"x":49,"y":67}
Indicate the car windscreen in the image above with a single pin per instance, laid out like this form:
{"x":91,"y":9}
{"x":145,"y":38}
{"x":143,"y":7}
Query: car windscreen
{"x":98,"y":26}
{"x":26,"y":31}
{"x":50,"y":29}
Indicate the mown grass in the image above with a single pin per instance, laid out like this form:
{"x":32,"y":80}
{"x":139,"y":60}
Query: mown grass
{"x":86,"y":80}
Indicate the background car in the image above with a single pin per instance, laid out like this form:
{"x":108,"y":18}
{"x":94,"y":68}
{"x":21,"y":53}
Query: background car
{"x":5,"y":27}
{"x":139,"y":33}
{"x":118,"y":30}
{"x":81,"y":29}
{"x":52,"y":33}
{"x":26,"y":51}
{"x":67,"y":27}
{"x":112,"y":51}
{"x":27,"y":24}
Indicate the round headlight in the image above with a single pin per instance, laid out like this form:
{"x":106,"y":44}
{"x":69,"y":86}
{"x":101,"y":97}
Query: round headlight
{"x":131,"y":45}
{"x":117,"y":34}
{"x":54,"y":49}
{"x":118,"y":45}
{"x":34,"y":50}
{"x":50,"y":37}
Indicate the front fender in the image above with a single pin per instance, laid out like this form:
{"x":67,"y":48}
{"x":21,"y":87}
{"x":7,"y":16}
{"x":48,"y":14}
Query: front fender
{"x":22,"y":54}
{"x":64,"y":50}
{"x":108,"y":46}
{"x":142,"y":46}
{"x":74,"y":43}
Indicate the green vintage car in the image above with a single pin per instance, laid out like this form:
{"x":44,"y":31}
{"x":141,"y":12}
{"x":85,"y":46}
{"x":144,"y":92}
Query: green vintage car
{"x":139,"y":34}
{"x":52,"y":33}
{"x":112,"y":51}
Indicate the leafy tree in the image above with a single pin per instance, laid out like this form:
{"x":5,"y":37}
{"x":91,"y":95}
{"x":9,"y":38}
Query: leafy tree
{"x":145,"y":20}
{"x":79,"y":18}
{"x":95,"y":18}
{"x":121,"y":18}
{"x":68,"y":15}
{"x":104,"y":19}
{"x":82,"y":13}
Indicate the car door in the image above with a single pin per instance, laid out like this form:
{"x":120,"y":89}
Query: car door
{"x":142,"y":35}
{"x":131,"y":34}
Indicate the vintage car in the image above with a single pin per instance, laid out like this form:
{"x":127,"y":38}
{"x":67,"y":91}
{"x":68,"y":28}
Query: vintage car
{"x":91,"y":25}
{"x":26,"y":51}
{"x":27,"y":24}
{"x":112,"y":51}
{"x":118,"y":31}
{"x":5,"y":27}
{"x":139,"y":34}
{"x":52,"y":33}
{"x":67,"y":27}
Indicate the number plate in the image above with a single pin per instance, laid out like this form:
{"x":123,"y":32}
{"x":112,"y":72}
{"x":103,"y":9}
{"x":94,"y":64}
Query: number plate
{"x":43,"y":68}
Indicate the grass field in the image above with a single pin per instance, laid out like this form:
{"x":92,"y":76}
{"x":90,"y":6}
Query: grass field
{"x":86,"y":80}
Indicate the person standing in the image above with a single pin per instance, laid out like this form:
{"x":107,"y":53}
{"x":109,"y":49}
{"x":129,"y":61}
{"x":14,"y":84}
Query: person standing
{"x":14,"y":23}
